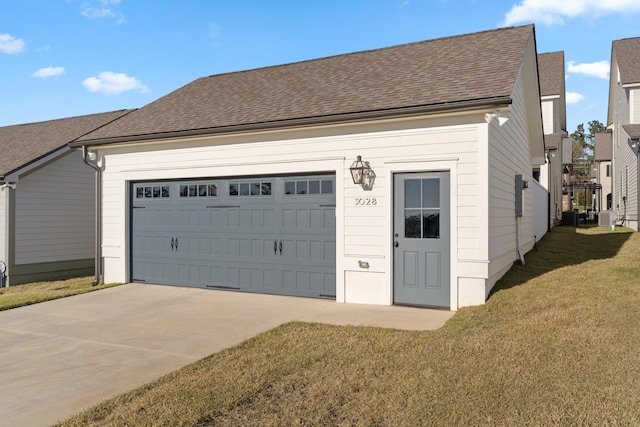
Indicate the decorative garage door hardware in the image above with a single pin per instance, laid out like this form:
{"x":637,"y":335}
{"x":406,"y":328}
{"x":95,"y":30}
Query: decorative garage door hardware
{"x":176,"y":243}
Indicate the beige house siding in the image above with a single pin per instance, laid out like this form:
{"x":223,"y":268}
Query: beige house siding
{"x":54,"y":212}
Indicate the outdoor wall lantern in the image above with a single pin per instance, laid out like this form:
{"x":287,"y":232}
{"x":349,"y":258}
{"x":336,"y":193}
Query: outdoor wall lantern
{"x":360,"y":171}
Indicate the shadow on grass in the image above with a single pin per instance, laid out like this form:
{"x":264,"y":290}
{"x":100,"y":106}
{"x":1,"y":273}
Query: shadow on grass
{"x":562,"y":247}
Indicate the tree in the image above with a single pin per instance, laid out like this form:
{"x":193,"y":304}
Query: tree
{"x":583,"y":146}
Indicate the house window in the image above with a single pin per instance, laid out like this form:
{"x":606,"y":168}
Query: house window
{"x":608,"y":170}
{"x":199,"y":189}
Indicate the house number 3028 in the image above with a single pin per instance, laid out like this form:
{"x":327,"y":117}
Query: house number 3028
{"x":365,"y":201}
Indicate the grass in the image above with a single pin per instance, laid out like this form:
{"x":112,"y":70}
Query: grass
{"x":32,"y":293}
{"x":556,"y":344}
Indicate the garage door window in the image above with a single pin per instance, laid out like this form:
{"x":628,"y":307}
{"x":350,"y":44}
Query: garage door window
{"x":311,"y":186}
{"x":198,"y":190}
{"x":153,"y":192}
{"x":250,"y":189}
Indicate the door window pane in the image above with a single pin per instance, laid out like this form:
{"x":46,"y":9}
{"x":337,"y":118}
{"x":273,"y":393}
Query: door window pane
{"x":213,"y":190}
{"x":244,"y":189}
{"x":431,"y":223}
{"x":431,"y":193}
{"x":202,"y":190}
{"x":301,"y":187}
{"x":165,"y":191}
{"x":290,"y":187}
{"x":255,"y":188}
{"x":193,"y":191}
{"x":314,"y":187}
{"x":266,"y":188}
{"x":327,"y":187}
{"x":412,"y":193}
{"x":412,"y":223}
{"x":139,"y":192}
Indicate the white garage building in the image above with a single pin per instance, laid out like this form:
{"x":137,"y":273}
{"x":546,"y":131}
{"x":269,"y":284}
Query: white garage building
{"x":242,"y":180}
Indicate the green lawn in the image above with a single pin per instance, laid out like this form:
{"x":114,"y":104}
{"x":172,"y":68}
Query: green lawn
{"x":557,"y":343}
{"x":32,"y":293}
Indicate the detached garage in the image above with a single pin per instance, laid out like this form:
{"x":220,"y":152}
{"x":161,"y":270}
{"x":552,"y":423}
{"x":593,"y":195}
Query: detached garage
{"x":383,"y":177}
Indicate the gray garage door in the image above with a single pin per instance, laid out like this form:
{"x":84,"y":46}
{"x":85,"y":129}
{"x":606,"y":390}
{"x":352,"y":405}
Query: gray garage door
{"x":270,"y":235}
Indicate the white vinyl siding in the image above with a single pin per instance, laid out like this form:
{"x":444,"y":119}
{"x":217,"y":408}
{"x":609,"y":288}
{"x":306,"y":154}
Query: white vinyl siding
{"x":55,"y":212}
{"x":634,"y":105}
{"x":363,"y":232}
{"x":548,"y":122}
{"x":509,"y":155}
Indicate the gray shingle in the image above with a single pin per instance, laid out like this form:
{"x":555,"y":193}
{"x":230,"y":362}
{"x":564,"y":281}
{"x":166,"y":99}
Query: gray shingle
{"x":26,"y":143}
{"x":551,"y":73}
{"x":602,"y":147}
{"x":479,"y":66}
{"x":627,"y":53}
{"x":632,"y":130}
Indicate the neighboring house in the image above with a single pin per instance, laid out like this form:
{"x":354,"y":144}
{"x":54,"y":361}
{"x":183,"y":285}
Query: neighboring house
{"x":244,"y":180}
{"x":554,"y":120}
{"x":602,"y":161}
{"x":47,"y":199}
{"x":624,"y":123}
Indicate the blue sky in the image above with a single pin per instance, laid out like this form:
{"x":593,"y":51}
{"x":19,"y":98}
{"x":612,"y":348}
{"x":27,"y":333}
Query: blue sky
{"x":63,"y":58}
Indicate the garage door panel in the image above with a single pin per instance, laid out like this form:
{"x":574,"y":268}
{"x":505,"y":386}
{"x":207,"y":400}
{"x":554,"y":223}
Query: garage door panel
{"x":249,"y":236}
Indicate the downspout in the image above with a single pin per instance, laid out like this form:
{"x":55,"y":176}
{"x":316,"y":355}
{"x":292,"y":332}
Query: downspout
{"x":93,"y":163}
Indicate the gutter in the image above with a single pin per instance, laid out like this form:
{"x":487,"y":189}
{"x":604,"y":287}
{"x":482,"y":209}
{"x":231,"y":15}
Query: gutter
{"x":489,"y":103}
{"x":93,"y":163}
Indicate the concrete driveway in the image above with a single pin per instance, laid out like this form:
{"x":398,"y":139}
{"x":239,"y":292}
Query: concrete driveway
{"x":63,"y":356}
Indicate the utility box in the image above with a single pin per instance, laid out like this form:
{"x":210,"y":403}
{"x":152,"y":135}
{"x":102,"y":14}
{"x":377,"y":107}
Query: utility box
{"x":520,"y":186}
{"x":606,"y":219}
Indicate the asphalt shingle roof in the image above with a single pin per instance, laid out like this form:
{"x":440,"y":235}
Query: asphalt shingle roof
{"x":551,"y":73}
{"x":627,"y":53}
{"x":23,"y":144}
{"x":602,"y":150}
{"x":478,"y":66}
{"x":632,"y":130}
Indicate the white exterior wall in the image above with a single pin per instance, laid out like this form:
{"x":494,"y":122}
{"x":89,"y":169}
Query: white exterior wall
{"x":457,"y":144}
{"x":540,"y":210}
{"x":55,"y":212}
{"x":634,"y":105}
{"x":4,"y":205}
{"x":509,"y":155}
{"x":548,"y":117}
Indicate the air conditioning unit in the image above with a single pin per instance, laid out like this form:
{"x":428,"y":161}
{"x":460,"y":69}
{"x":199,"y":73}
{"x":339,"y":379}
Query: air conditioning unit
{"x":606,"y":218}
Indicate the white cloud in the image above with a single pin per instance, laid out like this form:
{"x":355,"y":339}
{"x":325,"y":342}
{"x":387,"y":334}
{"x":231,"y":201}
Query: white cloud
{"x":573,"y":97}
{"x":598,"y":69}
{"x":10,"y":44}
{"x":114,"y":83}
{"x":102,"y":9}
{"x":552,"y":12}
{"x":43,"y":73}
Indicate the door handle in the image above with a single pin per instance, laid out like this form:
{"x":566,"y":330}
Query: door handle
{"x":172,"y":243}
{"x":280,"y":247}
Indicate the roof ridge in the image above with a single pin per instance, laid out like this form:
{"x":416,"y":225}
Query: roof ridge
{"x":361,"y":52}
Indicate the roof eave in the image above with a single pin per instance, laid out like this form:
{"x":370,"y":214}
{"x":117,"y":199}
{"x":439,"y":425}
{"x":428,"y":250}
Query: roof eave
{"x":495,"y":102}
